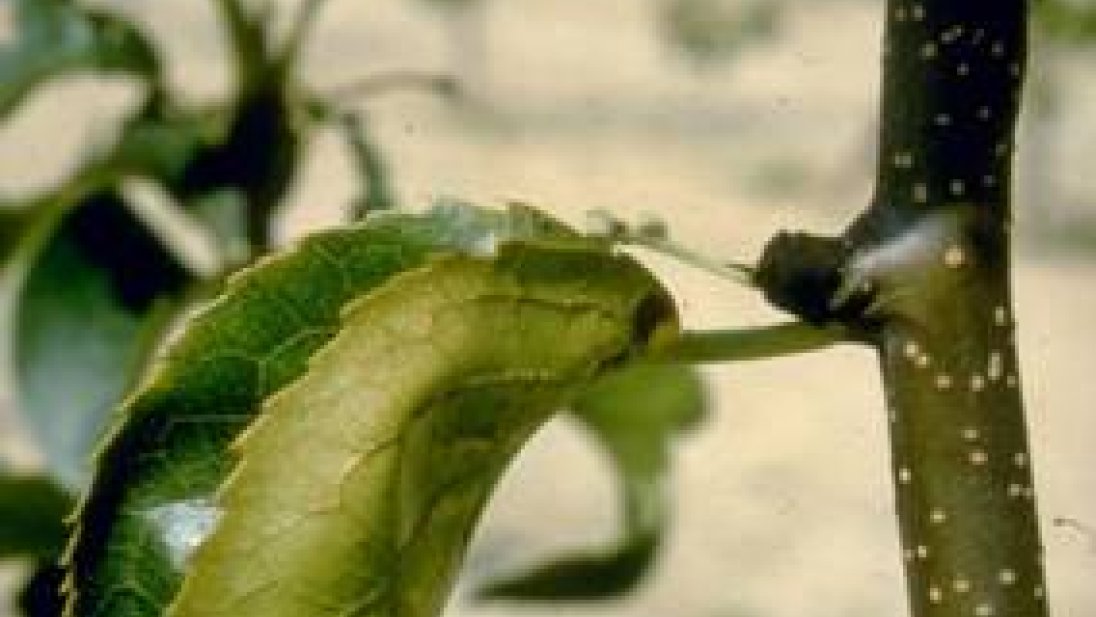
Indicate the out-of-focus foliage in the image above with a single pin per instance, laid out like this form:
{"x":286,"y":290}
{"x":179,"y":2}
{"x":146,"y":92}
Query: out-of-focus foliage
{"x":635,"y":414}
{"x":59,"y":36}
{"x":711,"y":32}
{"x":32,"y":508}
{"x":379,"y":194}
{"x":1072,"y":22}
{"x":13,"y":224}
{"x":91,"y":306}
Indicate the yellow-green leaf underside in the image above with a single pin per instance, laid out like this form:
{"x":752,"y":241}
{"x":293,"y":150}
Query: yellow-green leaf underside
{"x":375,"y":382}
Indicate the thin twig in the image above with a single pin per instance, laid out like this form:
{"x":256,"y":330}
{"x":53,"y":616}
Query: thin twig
{"x":386,"y":83}
{"x":299,"y":32}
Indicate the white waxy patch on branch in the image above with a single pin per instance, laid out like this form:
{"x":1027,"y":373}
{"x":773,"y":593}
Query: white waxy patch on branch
{"x":908,"y":251}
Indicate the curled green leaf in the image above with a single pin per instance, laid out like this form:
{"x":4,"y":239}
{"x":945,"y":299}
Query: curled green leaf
{"x":431,"y":386}
{"x":426,"y":358}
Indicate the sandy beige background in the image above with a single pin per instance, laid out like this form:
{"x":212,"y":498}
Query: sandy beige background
{"x":784,"y":505}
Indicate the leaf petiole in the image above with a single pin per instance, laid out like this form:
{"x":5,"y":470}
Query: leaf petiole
{"x":737,"y":345}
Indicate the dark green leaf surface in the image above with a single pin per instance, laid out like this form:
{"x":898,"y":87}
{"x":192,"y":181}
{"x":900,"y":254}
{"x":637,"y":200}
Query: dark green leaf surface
{"x":635,"y":414}
{"x":32,"y":508}
{"x":58,"y":36}
{"x":88,"y":306}
{"x":153,"y":501}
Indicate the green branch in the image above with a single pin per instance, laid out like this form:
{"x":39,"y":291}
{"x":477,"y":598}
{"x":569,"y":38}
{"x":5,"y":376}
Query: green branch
{"x":924,"y":275}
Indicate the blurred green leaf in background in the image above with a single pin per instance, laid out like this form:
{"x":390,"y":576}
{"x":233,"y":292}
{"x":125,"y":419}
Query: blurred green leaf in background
{"x":60,"y":36}
{"x":635,"y":414}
